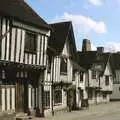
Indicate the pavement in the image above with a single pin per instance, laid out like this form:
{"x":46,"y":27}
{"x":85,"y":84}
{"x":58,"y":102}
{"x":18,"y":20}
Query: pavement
{"x":109,"y":111}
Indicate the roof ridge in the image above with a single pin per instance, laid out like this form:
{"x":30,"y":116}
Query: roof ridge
{"x":22,"y":11}
{"x":61,"y":22}
{"x":37,"y":15}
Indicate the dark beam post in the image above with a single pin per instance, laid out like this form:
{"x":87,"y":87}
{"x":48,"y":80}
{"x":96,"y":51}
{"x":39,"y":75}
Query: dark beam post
{"x":52,"y":70}
{"x":40,"y":94}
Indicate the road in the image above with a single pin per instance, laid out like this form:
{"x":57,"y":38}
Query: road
{"x":109,"y":111}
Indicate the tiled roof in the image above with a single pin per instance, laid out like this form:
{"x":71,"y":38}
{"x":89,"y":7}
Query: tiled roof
{"x":87,"y":59}
{"x":115,"y":61}
{"x":20,"y":10}
{"x":61,"y":32}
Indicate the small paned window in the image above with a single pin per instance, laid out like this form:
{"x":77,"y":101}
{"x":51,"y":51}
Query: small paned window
{"x":90,"y":95}
{"x":63,"y":65}
{"x":106,"y":80}
{"x":94,"y":74}
{"x":57,"y":97}
{"x":81,"y":77}
{"x":49,"y":63}
{"x":104,"y":95}
{"x":73,"y":75}
{"x":47,"y":99}
{"x":81,"y":94}
{"x":30,"y":42}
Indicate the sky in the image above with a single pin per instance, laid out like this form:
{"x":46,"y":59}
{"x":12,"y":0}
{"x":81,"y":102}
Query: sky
{"x":96,"y":20}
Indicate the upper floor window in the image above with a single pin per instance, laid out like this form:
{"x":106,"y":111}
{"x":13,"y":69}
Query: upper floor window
{"x":107,"y":80}
{"x":94,"y":73}
{"x":81,"y":77}
{"x":49,"y":62}
{"x":73,"y":75}
{"x":30,"y":42}
{"x":63,"y":65}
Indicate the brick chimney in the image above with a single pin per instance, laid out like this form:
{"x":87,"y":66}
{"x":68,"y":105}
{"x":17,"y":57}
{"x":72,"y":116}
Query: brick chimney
{"x":100,"y":49}
{"x":86,"y":46}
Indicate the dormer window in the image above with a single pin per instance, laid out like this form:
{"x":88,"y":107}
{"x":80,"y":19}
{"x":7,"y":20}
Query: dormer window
{"x":30,"y":42}
{"x":106,"y":80}
{"x":63,"y":65}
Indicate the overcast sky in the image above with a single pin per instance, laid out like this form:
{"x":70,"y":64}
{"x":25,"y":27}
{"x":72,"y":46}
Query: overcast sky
{"x":97,"y":20}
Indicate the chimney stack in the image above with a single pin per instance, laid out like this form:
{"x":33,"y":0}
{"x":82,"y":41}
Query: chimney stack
{"x":86,"y":46}
{"x":100,"y":49}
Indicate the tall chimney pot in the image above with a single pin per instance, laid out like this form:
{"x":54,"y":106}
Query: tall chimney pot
{"x":86,"y":46}
{"x":100,"y":49}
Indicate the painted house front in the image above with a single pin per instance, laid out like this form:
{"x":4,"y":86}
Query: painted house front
{"x":61,"y":54}
{"x":99,"y":75}
{"x":106,"y":83}
{"x":80,"y":82}
{"x":23,"y":57}
{"x":115,"y":61}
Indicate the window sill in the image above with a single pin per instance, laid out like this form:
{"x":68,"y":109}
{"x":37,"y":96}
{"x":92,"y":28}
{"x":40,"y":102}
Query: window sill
{"x":63,"y":73}
{"x":30,"y":51}
{"x":47,"y":107}
{"x":81,"y":81}
{"x":57,"y":104}
{"x":90,"y":98}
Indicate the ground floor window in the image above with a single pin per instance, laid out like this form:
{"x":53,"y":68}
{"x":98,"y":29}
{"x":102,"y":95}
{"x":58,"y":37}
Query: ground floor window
{"x":57,"y":97}
{"x":47,"y":99}
{"x":81,"y":94}
{"x":90,"y":93}
{"x":104,"y":95}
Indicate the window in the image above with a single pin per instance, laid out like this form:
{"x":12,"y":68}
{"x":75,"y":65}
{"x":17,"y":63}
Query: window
{"x":90,"y":95}
{"x":106,"y":80}
{"x":81,"y":77}
{"x":104,"y":95}
{"x":47,"y":99}
{"x":81,"y":94}
{"x":63,"y":66}
{"x":49,"y":63}
{"x":57,"y":97}
{"x":93,"y":74}
{"x":73,"y":75}
{"x":30,"y":42}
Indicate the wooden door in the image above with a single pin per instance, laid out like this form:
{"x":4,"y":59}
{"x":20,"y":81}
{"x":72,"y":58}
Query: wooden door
{"x":20,"y":96}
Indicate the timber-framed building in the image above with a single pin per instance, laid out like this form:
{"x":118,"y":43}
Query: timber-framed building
{"x":63,"y":70}
{"x":23,"y":44}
